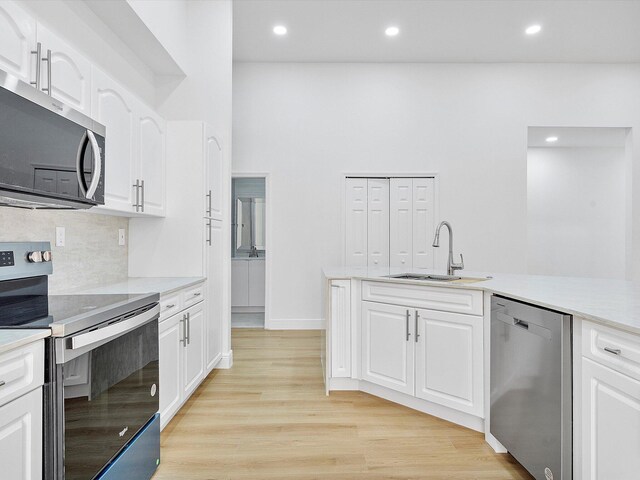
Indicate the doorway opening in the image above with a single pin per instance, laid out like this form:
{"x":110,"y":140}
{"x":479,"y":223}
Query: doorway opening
{"x":248,"y":251}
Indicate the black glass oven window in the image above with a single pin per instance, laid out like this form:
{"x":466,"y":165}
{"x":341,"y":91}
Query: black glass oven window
{"x":23,"y":301}
{"x":109,"y":394}
{"x":39,"y":148}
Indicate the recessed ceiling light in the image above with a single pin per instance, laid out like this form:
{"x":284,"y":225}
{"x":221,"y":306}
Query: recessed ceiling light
{"x":392,"y":31}
{"x":533,"y":29}
{"x":280,"y":30}
{"x":551,"y":139}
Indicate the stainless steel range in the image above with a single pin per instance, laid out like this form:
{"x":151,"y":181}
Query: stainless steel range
{"x":101,"y":372}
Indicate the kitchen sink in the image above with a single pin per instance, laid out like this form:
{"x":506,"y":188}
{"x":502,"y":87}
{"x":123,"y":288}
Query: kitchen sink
{"x":430,"y":277}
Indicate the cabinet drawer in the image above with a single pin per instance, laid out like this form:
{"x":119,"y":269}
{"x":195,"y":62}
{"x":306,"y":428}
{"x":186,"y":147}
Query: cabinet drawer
{"x":612,"y":347}
{"x":21,"y":370}
{"x":170,"y":305}
{"x":432,"y":298}
{"x":192,"y":296}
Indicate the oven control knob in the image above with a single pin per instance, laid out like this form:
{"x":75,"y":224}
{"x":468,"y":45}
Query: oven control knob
{"x":34,"y":257}
{"x":47,"y":256}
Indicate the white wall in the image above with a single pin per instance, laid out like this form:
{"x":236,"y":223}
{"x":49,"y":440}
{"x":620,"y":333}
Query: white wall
{"x":577,"y":211}
{"x":306,"y":124}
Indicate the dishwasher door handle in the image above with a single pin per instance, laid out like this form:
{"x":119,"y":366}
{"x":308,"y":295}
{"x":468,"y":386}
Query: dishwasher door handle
{"x":523,"y":325}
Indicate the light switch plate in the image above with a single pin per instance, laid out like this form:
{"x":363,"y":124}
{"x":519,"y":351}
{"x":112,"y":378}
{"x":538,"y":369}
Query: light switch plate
{"x":60,"y":236}
{"x":121,"y":237}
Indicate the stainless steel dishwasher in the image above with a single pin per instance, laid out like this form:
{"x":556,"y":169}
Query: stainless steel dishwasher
{"x":531,"y":386}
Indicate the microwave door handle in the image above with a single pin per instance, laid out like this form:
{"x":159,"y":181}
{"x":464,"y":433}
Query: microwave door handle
{"x":80,"y":164}
{"x":97,"y":170}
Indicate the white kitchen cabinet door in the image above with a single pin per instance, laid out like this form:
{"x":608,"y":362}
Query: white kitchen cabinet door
{"x":150,"y":130}
{"x":401,"y":222}
{"x":70,"y":72}
{"x":356,"y":222}
{"x":113,"y":107}
{"x":341,"y":328}
{"x":214,"y":287}
{"x":194,"y":351}
{"x":449,"y":359}
{"x":610,"y":424}
{"x":378,"y":222}
{"x":256,"y":283}
{"x":17,"y":40}
{"x":214,"y":170}
{"x":21,"y":437}
{"x":387,"y":347}
{"x":423,"y":222}
{"x":171,"y":336}
{"x":239,"y":283}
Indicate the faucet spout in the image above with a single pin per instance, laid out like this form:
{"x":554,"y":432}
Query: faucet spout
{"x":451,"y":265}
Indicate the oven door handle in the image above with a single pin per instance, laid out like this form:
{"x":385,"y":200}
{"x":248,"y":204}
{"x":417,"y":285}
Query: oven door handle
{"x":113,"y":330}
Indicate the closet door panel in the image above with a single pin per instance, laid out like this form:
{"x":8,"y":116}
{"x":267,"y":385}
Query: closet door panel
{"x":401,"y":222}
{"x":356,"y":222}
{"x":378,"y":222}
{"x":423,"y":222}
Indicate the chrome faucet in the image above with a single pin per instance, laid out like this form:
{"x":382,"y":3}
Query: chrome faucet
{"x":253,"y":252}
{"x":451,"y":265}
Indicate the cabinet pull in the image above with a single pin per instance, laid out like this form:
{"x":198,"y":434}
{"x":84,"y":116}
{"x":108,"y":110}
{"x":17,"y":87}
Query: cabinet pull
{"x":407,"y":325}
{"x":2,"y":382}
{"x":197,"y":294}
{"x":209,"y":204}
{"x":417,"y":316}
{"x":142,"y":196}
{"x":171,"y":305}
{"x":37,"y":52}
{"x":615,"y":351}
{"x":137,"y":187}
{"x":184,"y":330}
{"x":188,"y":328}
{"x":48,"y":60}
{"x":209,"y":231}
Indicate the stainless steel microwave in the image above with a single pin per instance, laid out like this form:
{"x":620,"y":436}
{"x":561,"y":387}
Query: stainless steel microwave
{"x":51,"y":156}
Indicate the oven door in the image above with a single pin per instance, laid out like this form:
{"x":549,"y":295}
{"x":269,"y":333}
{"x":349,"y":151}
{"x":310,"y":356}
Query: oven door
{"x":109,"y":390}
{"x":50,"y":155}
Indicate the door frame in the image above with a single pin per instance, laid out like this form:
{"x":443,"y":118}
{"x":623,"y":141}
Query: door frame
{"x":267,"y":238}
{"x":343,"y":200}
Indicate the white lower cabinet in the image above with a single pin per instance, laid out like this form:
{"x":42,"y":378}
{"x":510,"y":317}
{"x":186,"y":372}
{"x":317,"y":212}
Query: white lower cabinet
{"x":340,"y":328}
{"x":248,"y":282}
{"x":609,"y":404}
{"x":387,"y":347}
{"x":21,"y":437}
{"x":182,"y":358}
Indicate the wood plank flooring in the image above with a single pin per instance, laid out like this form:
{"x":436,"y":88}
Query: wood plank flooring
{"x":268,"y":418}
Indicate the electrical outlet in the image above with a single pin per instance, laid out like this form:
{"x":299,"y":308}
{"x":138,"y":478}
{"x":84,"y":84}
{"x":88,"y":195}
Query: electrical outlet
{"x":121,"y":237}
{"x":60,"y":237}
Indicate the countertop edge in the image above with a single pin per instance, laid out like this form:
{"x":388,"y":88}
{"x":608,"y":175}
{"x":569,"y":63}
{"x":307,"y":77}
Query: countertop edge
{"x":33,"y":336}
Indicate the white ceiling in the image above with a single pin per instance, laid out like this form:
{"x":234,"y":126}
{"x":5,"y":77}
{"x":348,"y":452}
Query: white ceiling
{"x":437,"y":31}
{"x":577,"y":136}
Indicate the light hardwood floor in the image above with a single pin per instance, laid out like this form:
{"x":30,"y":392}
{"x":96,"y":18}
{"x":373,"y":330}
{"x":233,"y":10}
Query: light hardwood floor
{"x":268,"y":418}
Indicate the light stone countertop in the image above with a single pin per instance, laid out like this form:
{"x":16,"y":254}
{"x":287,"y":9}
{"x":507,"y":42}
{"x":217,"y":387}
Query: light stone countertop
{"x":611,"y":302}
{"x":14,"y":338}
{"x":161,"y":285}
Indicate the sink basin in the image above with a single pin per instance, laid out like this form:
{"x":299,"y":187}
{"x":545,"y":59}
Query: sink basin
{"x":430,"y":277}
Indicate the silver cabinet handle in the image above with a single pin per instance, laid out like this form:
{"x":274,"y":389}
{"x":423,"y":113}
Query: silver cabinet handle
{"x":184,"y":330}
{"x":188,"y":328}
{"x":407,"y":326}
{"x":142,"y":196}
{"x":2,"y":382}
{"x":417,"y":335}
{"x":48,"y":60}
{"x":171,"y":305}
{"x":137,"y":187}
{"x":615,"y":351}
{"x":209,"y":204}
{"x":37,"y":52}
{"x":209,"y":231}
{"x":197,"y":294}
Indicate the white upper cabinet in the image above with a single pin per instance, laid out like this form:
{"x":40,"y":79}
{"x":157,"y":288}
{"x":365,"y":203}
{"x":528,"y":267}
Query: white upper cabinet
{"x":17,"y":40}
{"x":400,"y":222}
{"x":214,"y":174}
{"x":70,"y":72}
{"x":378,"y":222}
{"x":356,"y":222}
{"x":150,"y":129}
{"x":423,"y":222}
{"x":113,"y":107}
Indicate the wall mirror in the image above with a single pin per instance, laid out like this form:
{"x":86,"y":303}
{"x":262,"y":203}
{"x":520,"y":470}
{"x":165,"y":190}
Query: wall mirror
{"x":248,"y":213}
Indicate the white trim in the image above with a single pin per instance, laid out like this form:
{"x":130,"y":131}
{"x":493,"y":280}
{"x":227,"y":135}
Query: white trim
{"x":294,"y":324}
{"x":226,"y":361}
{"x":344,"y":384}
{"x":247,"y":309}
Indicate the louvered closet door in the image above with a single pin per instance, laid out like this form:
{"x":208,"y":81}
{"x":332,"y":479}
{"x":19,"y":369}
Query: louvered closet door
{"x":423,"y":222}
{"x":378,"y":222}
{"x":356,"y":222}
{"x":401,"y":222}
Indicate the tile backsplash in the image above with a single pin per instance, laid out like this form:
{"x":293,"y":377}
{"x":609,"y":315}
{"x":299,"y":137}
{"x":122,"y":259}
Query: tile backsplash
{"x":91,"y":255}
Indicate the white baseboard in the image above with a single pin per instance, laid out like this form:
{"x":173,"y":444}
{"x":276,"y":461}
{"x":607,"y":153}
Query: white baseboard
{"x":294,"y":324}
{"x":226,"y":361}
